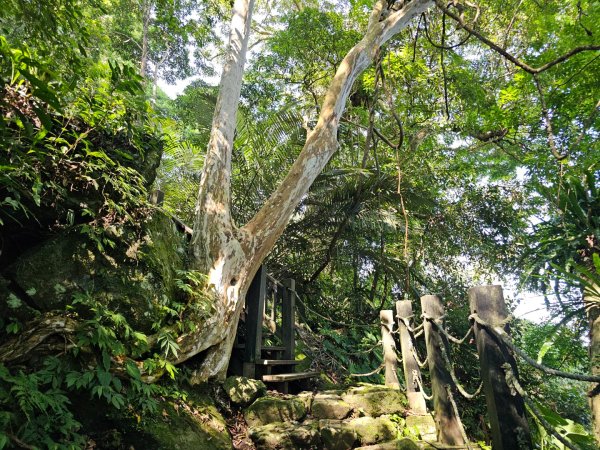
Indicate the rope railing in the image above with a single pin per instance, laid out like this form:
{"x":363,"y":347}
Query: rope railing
{"x":420,"y":384}
{"x":373,"y":372}
{"x":513,"y":382}
{"x":420,"y":363}
{"x":461,"y":389}
{"x":495,"y":348}
{"x":451,"y":338}
{"x":457,"y":414}
{"x":406,"y":322}
{"x":503,"y":336}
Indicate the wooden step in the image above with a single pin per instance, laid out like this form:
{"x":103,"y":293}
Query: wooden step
{"x":266,"y":349}
{"x":277,"y":362}
{"x":282,"y":377}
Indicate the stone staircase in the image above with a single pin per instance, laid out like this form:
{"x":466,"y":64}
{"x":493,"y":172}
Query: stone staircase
{"x":365,"y":417}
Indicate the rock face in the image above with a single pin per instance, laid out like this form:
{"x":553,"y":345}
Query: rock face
{"x":243,"y":391}
{"x":193,"y":424}
{"x":367,"y":415}
{"x":136,"y":279}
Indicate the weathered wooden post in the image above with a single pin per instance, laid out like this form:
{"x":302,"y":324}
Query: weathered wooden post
{"x":506,"y":409}
{"x":288,"y":318}
{"x":446,"y":421}
{"x":255,"y":303}
{"x":412,"y":372}
{"x":390,"y":359}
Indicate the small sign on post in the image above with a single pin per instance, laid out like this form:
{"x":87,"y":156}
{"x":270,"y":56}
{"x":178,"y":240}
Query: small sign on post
{"x":157,"y":197}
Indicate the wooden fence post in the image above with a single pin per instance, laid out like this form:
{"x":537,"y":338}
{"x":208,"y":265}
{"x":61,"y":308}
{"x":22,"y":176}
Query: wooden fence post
{"x":506,"y":409}
{"x":412,"y":372}
{"x":288,"y":318}
{"x":390,"y":358}
{"x":448,"y":425}
{"x":255,"y":303}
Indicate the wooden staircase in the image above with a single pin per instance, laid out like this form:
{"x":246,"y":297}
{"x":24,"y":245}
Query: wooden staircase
{"x":250,"y":358}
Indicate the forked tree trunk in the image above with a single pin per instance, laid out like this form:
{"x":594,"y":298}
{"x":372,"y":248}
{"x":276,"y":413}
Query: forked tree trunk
{"x":230,"y":256}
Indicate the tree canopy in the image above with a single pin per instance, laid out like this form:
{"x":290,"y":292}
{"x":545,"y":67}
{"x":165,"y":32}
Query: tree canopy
{"x":377,"y":151}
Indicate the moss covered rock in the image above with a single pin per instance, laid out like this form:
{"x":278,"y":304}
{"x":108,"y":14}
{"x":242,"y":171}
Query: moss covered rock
{"x":191,"y":424}
{"x":337,"y":435}
{"x":375,"y":400}
{"x":422,"y":427}
{"x":330,"y":406}
{"x":275,"y":436}
{"x":136,"y":279}
{"x":372,"y":430}
{"x":243,"y":391}
{"x":306,"y":398}
{"x":267,"y":410}
{"x":400,"y":444}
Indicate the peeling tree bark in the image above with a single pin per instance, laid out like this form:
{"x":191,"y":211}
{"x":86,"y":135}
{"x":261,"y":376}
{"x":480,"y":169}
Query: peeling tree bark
{"x":591,"y":300}
{"x":230,"y":256}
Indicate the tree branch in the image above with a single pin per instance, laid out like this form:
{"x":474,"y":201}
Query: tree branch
{"x":527,"y":68}
{"x":548,"y":122}
{"x":212,"y":224}
{"x":267,"y":225}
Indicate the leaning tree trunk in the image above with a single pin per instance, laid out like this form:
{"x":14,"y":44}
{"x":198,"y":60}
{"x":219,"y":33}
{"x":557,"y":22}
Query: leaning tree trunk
{"x":230,"y":256}
{"x":591,"y":300}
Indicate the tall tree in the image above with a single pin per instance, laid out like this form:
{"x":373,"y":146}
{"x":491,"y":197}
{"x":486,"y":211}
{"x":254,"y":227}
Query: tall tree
{"x":231,"y":255}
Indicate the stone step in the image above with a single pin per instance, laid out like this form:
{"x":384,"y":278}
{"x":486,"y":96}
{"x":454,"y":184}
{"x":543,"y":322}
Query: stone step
{"x":277,"y":362}
{"x":409,"y":444}
{"x":282,"y":377}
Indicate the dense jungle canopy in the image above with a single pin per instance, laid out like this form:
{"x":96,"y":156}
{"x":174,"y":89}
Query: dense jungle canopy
{"x":371,"y":150}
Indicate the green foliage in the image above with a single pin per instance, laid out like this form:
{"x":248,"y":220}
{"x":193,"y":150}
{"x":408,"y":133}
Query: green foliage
{"x":354,"y":351}
{"x":573,"y":432}
{"x":35,"y":409}
{"x":81,"y":161}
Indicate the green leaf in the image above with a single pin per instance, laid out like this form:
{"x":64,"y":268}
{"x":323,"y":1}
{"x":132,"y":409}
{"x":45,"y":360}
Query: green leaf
{"x":596,"y":259}
{"x":133,"y":370}
{"x":103,"y":377}
{"x":547,"y":345}
{"x":13,"y":301}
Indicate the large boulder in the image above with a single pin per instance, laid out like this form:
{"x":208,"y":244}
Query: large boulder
{"x":243,"y":391}
{"x":137,"y":278}
{"x":178,"y":425}
{"x":376,"y":400}
{"x":330,"y":406}
{"x":267,"y":410}
{"x":276,"y":436}
{"x":372,"y":430}
{"x":337,"y":435}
